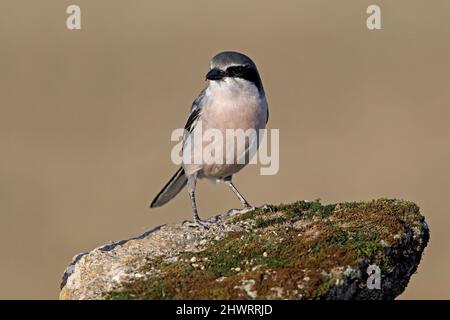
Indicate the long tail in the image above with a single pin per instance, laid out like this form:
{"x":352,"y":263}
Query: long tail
{"x":171,"y":189}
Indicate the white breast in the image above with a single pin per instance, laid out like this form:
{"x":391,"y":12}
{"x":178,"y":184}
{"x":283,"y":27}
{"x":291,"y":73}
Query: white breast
{"x":229,"y":104}
{"x":234,"y":104}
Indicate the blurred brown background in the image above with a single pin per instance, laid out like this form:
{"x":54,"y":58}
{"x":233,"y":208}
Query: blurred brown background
{"x":86,"y":117}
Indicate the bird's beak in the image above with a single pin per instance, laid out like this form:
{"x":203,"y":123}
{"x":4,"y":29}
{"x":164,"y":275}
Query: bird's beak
{"x":215,"y":74}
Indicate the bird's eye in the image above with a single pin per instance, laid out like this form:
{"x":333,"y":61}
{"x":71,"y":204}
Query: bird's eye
{"x":236,"y":71}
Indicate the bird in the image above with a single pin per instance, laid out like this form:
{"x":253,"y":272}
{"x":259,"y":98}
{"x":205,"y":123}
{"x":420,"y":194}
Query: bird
{"x":234,"y":98}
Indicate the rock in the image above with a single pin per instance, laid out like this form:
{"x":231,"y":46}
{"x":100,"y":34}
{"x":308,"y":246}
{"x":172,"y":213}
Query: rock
{"x":304,"y":250}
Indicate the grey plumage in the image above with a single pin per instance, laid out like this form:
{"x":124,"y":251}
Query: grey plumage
{"x":171,"y":189}
{"x":179,"y":179}
{"x":233,"y":99}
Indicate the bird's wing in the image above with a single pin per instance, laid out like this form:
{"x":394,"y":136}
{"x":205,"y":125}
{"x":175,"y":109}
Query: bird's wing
{"x":192,"y":120}
{"x":194,"y":112}
{"x":179,"y":180}
{"x":194,"y":115}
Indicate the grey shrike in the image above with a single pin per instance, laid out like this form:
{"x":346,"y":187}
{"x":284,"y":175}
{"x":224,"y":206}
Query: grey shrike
{"x":233,"y":99}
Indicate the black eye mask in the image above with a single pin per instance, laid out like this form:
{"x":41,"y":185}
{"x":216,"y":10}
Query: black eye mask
{"x":237,"y":71}
{"x":244,"y":72}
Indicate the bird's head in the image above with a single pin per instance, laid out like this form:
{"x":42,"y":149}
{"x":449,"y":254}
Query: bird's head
{"x":229,"y":65}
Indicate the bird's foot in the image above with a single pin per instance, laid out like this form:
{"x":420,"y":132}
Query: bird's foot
{"x":203,"y":224}
{"x":233,"y":212}
{"x":267,"y":207}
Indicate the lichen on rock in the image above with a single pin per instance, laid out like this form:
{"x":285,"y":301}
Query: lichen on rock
{"x":303,"y":250}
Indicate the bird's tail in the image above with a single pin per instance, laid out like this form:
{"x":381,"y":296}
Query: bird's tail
{"x":171,"y":189}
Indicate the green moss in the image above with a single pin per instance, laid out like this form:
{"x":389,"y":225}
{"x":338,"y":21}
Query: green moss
{"x":351,"y":205}
{"x":306,"y":209}
{"x":261,"y":222}
{"x":143,"y":290}
{"x":326,"y":283}
{"x":119,"y":295}
{"x":288,"y":240}
{"x":244,"y":216}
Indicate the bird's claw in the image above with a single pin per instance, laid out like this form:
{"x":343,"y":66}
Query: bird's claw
{"x":233,"y":212}
{"x":203,"y":224}
{"x":267,"y":207}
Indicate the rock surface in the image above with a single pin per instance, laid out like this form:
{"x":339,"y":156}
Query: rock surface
{"x":304,"y":250}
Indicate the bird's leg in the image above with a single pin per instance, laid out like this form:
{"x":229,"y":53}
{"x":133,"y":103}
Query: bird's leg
{"x":191,"y":184}
{"x":244,"y":202}
{"x":240,"y":196}
{"x":247,"y":206}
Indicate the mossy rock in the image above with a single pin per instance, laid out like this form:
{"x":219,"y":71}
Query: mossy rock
{"x":303,"y":250}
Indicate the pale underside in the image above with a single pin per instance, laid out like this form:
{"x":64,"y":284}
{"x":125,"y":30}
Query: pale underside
{"x":229,"y":104}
